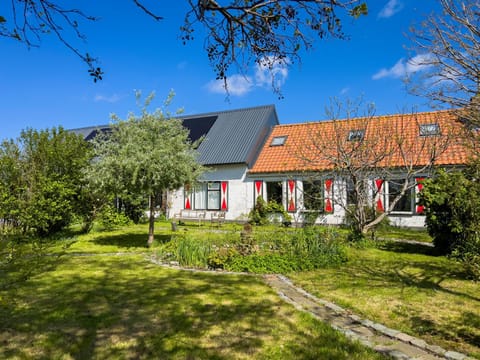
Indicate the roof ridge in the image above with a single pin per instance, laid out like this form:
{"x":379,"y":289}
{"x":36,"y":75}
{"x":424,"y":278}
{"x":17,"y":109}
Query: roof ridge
{"x":373,"y":117}
{"x":271,"y":106}
{"x":90,"y":127}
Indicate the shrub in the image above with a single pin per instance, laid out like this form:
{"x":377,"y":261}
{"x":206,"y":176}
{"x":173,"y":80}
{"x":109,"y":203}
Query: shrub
{"x":110,"y":219}
{"x":264,"y":213}
{"x":258,"y":215}
{"x":220,"y":256}
{"x":451,"y":203}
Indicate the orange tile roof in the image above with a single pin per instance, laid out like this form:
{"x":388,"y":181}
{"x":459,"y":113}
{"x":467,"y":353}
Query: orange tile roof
{"x":389,"y":141}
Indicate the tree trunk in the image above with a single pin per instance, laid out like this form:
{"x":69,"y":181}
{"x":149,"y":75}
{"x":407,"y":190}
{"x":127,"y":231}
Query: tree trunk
{"x":151,"y":221}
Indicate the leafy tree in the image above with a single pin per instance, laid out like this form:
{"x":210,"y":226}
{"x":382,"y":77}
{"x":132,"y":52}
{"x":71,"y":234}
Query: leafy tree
{"x":144,"y":155}
{"x":237,"y":31}
{"x":452,"y":202}
{"x":40,"y":176}
{"x":364,"y":150}
{"x":449,"y":47}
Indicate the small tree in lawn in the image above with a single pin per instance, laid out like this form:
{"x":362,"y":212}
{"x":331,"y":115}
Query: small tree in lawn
{"x":367,"y":151}
{"x":145,"y":155}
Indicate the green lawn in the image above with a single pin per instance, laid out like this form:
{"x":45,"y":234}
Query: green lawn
{"x":93,"y":304}
{"x":104,"y":299}
{"x":405,"y":288}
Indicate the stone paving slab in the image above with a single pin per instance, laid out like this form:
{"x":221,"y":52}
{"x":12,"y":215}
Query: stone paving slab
{"x":388,"y":341}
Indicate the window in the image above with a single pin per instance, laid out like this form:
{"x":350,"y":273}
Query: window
{"x":278,"y":140}
{"x":274,"y":191}
{"x":356,"y":135}
{"x":429,"y":129}
{"x":207,"y":196}
{"x":405,"y":204}
{"x":313,"y":195}
{"x":351,"y":196}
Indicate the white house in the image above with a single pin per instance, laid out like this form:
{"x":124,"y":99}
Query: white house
{"x":249,"y":154}
{"x":230,"y":147}
{"x":307,"y":167}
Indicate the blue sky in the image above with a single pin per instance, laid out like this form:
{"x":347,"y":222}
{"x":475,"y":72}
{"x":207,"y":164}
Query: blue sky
{"x":48,"y":86}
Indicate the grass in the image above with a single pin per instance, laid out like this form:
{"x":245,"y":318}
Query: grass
{"x":406,"y":288}
{"x":392,"y":232}
{"x":122,"y":306}
{"x":102,"y":305}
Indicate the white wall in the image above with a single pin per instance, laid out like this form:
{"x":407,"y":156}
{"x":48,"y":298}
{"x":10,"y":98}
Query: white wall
{"x":241,"y":198}
{"x":240,"y":192}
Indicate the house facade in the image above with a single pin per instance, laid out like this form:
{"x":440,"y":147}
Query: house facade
{"x":229,"y":149}
{"x":309,"y":167}
{"x":301,"y":166}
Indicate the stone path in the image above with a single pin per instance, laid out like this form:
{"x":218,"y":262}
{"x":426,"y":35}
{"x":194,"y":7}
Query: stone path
{"x":376,"y":336}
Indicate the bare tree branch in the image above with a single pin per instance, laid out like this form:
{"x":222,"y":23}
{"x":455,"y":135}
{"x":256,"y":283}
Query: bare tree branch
{"x":237,"y":32}
{"x":450,"y":67}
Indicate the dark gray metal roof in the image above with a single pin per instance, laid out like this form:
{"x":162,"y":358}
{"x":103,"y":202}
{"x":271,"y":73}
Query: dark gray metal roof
{"x":237,"y":136}
{"x":89,"y":131}
{"x":229,"y":137}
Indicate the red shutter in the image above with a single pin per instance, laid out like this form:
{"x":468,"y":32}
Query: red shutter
{"x":224,"y":196}
{"x":418,"y":188}
{"x":328,"y":188}
{"x":257,"y":190}
{"x":379,"y":194}
{"x":291,"y":195}
{"x":187,"y":197}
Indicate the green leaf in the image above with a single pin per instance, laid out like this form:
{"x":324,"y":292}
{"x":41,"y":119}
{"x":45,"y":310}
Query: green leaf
{"x":2,"y":19}
{"x":359,"y":10}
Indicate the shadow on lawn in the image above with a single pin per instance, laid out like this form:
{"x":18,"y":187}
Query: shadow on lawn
{"x":420,"y":278}
{"x":130,"y":240}
{"x":408,"y":248}
{"x":125,"y":308}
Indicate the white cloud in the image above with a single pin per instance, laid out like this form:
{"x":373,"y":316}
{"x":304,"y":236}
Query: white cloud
{"x":404,"y":68}
{"x":271,"y":69}
{"x":268,"y":70}
{"x":237,"y":85}
{"x":390,"y":9}
{"x":345,"y":90}
{"x":419,"y":63}
{"x":110,"y":99}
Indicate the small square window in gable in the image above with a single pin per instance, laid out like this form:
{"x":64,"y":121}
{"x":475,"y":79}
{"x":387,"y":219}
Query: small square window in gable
{"x":356,"y":135}
{"x":431,"y":129}
{"x":278,"y":141}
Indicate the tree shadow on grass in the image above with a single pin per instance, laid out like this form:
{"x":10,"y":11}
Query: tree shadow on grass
{"x":408,"y":248}
{"x":122,"y":307}
{"x":422,"y":279}
{"x":130,"y":240}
